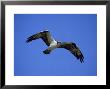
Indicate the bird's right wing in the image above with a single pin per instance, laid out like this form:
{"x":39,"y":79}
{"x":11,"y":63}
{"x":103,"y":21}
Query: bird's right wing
{"x":44,"y":35}
{"x":73,"y":49}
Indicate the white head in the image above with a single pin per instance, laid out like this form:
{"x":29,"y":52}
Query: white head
{"x":45,"y":29}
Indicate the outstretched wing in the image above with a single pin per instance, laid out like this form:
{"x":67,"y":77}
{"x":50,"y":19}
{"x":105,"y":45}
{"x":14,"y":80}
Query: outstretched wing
{"x":45,"y":36}
{"x":73,"y":49}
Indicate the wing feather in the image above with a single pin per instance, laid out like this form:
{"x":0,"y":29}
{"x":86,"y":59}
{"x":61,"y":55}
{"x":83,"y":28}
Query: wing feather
{"x":73,"y":49}
{"x":33,"y":37}
{"x":45,"y":36}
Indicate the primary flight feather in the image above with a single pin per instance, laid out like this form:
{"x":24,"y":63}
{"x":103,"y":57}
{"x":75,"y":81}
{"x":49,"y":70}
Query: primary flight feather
{"x":52,"y":44}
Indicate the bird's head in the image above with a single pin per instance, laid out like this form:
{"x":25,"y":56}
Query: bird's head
{"x":45,"y":29}
{"x":58,"y":42}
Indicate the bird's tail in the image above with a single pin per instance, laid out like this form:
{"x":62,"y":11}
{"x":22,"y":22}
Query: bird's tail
{"x":46,"y":51}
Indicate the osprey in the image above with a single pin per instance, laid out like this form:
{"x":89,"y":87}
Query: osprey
{"x":52,"y":44}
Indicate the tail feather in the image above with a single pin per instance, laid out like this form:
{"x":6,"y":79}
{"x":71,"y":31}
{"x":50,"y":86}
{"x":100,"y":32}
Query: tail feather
{"x":46,"y":51}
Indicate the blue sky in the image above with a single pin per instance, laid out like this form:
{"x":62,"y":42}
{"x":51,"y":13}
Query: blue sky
{"x":29,"y":59}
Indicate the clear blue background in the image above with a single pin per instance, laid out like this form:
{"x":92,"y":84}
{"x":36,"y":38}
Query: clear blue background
{"x":29,"y":59}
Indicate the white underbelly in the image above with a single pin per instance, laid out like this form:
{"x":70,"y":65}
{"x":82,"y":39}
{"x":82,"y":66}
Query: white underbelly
{"x":53,"y":43}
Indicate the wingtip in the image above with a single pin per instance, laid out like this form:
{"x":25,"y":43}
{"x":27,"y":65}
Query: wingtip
{"x":27,"y":41}
{"x":82,"y":61}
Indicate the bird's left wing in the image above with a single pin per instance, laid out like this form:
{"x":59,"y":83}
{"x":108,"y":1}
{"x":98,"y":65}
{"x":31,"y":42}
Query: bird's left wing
{"x":44,"y":35}
{"x":73,"y":49}
{"x":34,"y":37}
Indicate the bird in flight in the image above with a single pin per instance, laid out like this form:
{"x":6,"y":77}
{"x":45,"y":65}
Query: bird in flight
{"x":53,"y":44}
